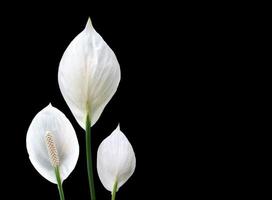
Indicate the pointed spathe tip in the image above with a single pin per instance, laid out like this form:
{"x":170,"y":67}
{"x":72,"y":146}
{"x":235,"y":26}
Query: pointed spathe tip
{"x":49,"y":105}
{"x":89,"y":24}
{"x":118,"y":126}
{"x":117,"y":130}
{"x":48,"y":108}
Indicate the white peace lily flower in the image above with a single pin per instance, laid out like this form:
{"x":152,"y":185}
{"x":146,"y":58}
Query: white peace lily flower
{"x":116,"y":160}
{"x":88,"y":76}
{"x":52,"y":143}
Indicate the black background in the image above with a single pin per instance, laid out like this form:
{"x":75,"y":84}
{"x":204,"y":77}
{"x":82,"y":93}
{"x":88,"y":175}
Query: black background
{"x":176,"y":100}
{"x":34,"y":38}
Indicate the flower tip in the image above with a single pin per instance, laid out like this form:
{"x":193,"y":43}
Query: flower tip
{"x":89,"y":24}
{"x":49,"y":106}
{"x":118,"y":127}
{"x":117,"y":130}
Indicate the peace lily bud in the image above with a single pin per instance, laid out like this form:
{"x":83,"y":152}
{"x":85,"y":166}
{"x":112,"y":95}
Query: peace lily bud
{"x":88,"y":75}
{"x":52,"y":144}
{"x":115,"y":160}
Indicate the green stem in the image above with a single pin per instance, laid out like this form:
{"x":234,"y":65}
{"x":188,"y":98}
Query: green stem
{"x":61,"y":193}
{"x":113,"y":194}
{"x":89,"y":158}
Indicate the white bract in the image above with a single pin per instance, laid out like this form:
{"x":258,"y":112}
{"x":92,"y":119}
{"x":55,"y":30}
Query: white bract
{"x":89,"y":75}
{"x":116,"y":160}
{"x":51,"y":142}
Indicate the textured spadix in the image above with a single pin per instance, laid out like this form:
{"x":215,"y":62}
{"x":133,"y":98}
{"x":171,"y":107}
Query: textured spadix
{"x":115,"y":160}
{"x":89,"y":75}
{"x":51,"y":142}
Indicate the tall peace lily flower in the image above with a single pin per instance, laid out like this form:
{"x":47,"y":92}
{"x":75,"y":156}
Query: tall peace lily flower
{"x":52,"y":145}
{"x":88,"y":76}
{"x":116,"y":161}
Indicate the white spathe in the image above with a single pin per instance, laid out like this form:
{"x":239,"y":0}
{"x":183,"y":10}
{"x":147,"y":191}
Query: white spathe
{"x":115,"y":160}
{"x":89,"y":75}
{"x":51,"y":120}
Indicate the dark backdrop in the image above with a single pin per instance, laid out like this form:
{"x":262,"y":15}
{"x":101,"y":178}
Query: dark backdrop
{"x":34,"y":37}
{"x":173,"y":102}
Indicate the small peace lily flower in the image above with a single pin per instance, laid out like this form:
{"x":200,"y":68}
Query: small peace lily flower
{"x":52,"y":145}
{"x":116,"y":161}
{"x":88,"y":76}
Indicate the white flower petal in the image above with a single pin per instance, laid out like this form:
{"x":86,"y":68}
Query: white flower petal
{"x":115,"y":160}
{"x":88,"y":76}
{"x":52,"y":120}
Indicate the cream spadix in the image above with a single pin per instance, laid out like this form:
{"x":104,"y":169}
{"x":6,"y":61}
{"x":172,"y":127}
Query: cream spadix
{"x":51,"y":142}
{"x":116,"y":160}
{"x":88,"y":76}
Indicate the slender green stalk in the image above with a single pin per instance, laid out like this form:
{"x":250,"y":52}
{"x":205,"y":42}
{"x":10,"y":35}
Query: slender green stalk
{"x":89,"y":158}
{"x":113,"y":194}
{"x":61,"y":193}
